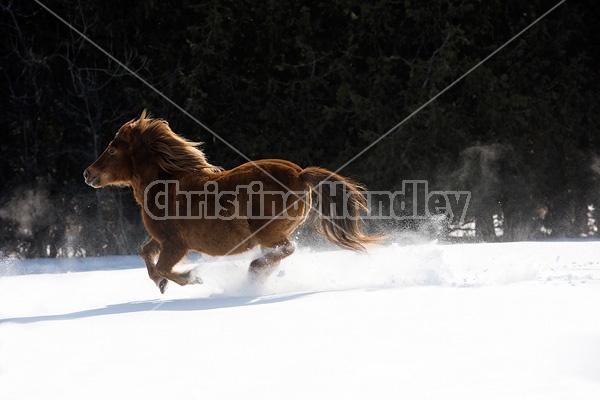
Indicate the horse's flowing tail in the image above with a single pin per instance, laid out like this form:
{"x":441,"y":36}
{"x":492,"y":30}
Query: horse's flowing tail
{"x":340,"y":203}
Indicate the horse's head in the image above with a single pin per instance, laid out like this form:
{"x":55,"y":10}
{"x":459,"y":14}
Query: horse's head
{"x":115,"y":165}
{"x":145,"y":147}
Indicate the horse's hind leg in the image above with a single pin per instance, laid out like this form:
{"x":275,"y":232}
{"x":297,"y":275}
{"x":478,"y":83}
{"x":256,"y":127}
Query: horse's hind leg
{"x":169,"y":256}
{"x":265,"y":264}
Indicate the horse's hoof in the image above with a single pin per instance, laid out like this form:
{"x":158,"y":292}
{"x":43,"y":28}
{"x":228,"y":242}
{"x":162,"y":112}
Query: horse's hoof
{"x":196,"y":280}
{"x":192,"y":278}
{"x":258,"y":275}
{"x":162,"y":285}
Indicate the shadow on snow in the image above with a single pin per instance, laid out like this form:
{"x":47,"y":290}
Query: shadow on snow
{"x":201,"y":304}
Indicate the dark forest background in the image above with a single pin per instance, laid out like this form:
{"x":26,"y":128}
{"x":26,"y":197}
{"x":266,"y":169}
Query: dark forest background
{"x":312,"y":82}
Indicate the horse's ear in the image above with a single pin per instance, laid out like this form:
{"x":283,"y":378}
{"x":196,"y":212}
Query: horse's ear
{"x":145,"y":114}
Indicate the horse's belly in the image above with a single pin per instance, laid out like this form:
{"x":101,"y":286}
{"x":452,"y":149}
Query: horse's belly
{"x":219,"y":238}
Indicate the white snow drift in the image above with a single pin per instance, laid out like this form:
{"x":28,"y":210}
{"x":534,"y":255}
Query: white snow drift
{"x":493,"y":321}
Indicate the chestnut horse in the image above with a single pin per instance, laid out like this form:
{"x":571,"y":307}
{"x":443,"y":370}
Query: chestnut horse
{"x":190,"y":204}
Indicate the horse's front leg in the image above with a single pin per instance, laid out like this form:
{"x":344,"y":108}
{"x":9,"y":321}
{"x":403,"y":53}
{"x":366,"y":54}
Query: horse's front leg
{"x":149,"y":253}
{"x":170,"y":255}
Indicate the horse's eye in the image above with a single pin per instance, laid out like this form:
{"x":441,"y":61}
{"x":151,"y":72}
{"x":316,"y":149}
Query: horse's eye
{"x":112,"y":151}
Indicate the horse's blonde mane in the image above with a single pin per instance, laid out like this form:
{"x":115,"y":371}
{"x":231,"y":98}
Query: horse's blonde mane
{"x":173,"y":153}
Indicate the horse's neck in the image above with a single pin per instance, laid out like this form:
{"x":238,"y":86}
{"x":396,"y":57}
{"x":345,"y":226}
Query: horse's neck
{"x":140,"y":184}
{"x":138,"y":193}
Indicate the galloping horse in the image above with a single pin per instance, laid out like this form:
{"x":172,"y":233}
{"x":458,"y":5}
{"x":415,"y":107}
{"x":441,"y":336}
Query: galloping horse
{"x":189,"y":204}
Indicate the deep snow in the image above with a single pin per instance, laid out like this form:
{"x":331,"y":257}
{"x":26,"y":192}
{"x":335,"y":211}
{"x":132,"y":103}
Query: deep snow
{"x":479,"y":321}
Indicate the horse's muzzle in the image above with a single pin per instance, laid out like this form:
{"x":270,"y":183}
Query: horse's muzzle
{"x":90,"y":181}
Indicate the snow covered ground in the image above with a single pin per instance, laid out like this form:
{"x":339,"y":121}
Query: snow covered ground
{"x":426,"y":321}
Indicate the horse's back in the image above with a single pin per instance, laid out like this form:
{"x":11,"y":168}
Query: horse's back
{"x":272,"y":174}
